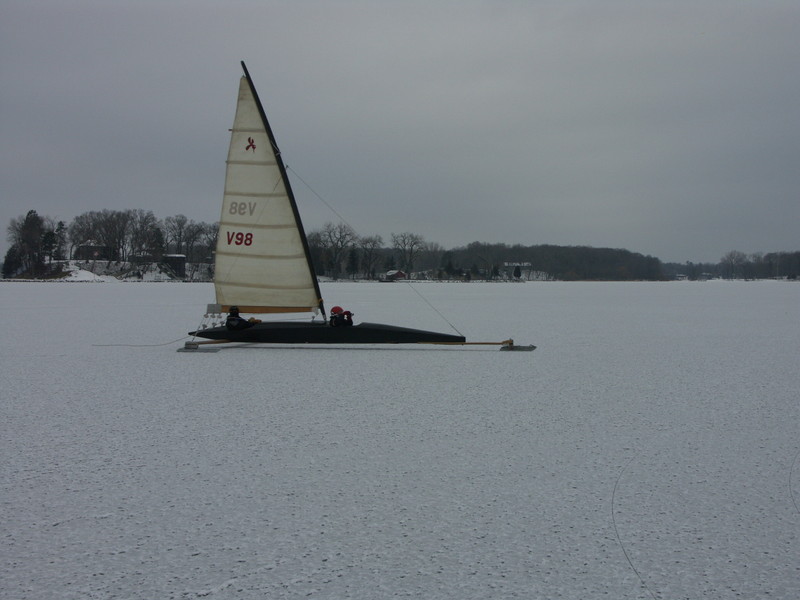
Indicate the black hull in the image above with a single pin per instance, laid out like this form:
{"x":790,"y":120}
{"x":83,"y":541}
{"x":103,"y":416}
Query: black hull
{"x":287,"y":332}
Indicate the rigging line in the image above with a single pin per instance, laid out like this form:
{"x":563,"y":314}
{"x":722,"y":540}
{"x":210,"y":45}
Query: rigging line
{"x":139,"y":345}
{"x":321,"y":199}
{"x":425,"y":300}
{"x":616,"y":531}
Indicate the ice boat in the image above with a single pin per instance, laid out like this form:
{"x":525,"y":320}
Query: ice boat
{"x":263,"y":264}
{"x":262,"y":261}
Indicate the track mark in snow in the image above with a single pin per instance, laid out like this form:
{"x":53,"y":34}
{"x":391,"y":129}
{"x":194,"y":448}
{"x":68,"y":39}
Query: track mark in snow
{"x":210,"y":591}
{"x":616,"y":531}
{"x":81,"y":517}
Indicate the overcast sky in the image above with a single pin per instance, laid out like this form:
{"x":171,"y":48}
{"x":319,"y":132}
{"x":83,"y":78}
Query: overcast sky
{"x":670,"y":128}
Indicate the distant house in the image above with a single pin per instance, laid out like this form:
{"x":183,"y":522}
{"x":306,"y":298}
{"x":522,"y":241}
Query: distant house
{"x":176,"y":262}
{"x":142,"y":258}
{"x":395,"y":275}
{"x":92,"y":251}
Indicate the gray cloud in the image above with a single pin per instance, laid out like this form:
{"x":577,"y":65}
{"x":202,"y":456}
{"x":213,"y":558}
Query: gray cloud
{"x":669,"y":129}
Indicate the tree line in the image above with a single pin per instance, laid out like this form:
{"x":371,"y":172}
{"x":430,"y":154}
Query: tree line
{"x":738,"y":265}
{"x":38,"y":242}
{"x":338,"y":252}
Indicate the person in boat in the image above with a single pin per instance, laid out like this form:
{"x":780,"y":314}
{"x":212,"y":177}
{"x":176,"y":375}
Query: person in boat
{"x":236,"y":322}
{"x":341,"y":317}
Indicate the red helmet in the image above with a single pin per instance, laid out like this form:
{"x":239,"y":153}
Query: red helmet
{"x":337,"y":310}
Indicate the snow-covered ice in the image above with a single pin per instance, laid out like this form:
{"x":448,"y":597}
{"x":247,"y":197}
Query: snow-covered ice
{"x":647,"y":449}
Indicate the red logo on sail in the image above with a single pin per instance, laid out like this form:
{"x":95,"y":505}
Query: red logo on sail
{"x":251,"y":145}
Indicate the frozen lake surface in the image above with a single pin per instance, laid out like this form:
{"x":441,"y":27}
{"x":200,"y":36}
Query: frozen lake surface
{"x":647,"y":449}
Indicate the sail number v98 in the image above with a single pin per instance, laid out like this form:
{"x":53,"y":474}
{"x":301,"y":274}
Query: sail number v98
{"x":238,"y":238}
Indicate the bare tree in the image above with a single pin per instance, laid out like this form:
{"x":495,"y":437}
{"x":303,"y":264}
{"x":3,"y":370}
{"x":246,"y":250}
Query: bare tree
{"x":83,"y":230}
{"x":337,"y":239}
{"x":755,"y":266}
{"x":109,"y":228}
{"x":732,"y":263}
{"x":174,"y":231}
{"x":142,"y":238}
{"x":408,"y":245}
{"x":430,"y":257}
{"x":207,"y":240}
{"x":112,"y":230}
{"x":191,"y":236}
{"x":370,"y":253}
{"x":210,"y":235}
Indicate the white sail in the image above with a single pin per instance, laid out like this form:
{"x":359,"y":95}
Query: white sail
{"x":262,"y":263}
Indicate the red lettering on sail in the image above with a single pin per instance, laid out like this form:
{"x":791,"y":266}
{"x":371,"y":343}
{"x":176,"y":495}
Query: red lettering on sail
{"x":237,"y":238}
{"x":251,"y":145}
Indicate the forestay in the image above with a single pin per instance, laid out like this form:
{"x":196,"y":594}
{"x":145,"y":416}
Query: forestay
{"x":262,"y":262}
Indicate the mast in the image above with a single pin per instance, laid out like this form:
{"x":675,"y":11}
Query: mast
{"x":288,"y":187}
